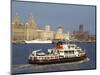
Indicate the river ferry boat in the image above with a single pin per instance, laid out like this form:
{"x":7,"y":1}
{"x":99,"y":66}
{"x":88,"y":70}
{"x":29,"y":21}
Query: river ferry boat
{"x":62,"y":53}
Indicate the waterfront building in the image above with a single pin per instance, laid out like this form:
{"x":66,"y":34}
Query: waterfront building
{"x":32,"y":29}
{"x":67,"y":36}
{"x":81,"y":28}
{"x":92,"y":38}
{"x":81,"y":35}
{"x":47,"y":34}
{"x":59,"y":35}
{"x":18,"y":29}
{"x":27,"y":31}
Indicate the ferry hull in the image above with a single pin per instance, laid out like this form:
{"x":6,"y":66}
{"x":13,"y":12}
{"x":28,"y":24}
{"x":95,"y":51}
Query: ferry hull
{"x":54,"y":61}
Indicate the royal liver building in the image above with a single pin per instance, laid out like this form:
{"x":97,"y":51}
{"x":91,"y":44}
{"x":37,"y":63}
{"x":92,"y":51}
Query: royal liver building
{"x":30,"y":30}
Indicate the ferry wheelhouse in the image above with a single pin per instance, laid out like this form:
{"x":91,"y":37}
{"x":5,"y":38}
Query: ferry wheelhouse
{"x":63,"y":52}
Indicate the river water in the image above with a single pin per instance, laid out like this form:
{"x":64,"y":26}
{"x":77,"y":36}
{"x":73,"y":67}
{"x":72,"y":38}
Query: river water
{"x":20,"y":53}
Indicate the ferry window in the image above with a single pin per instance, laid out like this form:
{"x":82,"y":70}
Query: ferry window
{"x":66,"y":51}
{"x":72,"y":46}
{"x":69,"y":51}
{"x":35,"y":57}
{"x":42,"y":57}
{"x":68,"y":46}
{"x":56,"y":57}
{"x":61,"y":57}
{"x":47,"y":57}
{"x":72,"y":52}
{"x":51,"y":57}
{"x":78,"y":50}
{"x":61,"y":51}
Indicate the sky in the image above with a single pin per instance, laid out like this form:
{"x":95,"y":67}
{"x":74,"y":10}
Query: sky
{"x":66,"y":15}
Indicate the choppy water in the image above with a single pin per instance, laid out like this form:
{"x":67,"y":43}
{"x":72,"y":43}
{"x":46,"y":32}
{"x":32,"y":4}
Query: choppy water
{"x":20,"y":53}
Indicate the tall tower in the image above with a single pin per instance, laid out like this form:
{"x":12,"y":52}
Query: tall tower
{"x":32,"y":23}
{"x":16,"y":20}
{"x":47,"y":28}
{"x":59,"y":34}
{"x":59,"y":29}
{"x":18,"y":29}
{"x":81,"y":28}
{"x":31,"y":29}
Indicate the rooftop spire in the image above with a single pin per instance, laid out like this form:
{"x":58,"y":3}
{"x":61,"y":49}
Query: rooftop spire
{"x":31,"y":19}
{"x":31,"y":22}
{"x":16,"y":19}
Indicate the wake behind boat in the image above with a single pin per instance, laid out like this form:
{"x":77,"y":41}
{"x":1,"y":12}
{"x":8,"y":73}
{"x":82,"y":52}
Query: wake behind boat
{"x":63,"y":52}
